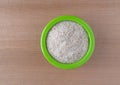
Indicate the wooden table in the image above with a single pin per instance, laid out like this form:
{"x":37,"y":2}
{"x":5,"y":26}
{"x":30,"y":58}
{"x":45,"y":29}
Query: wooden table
{"x":21,"y":59}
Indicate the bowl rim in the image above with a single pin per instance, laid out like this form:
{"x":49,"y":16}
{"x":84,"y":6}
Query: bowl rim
{"x":48,"y":56}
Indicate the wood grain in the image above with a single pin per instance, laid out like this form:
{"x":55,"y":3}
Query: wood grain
{"x":21,"y":59}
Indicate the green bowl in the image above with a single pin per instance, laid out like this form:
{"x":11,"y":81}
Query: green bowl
{"x":76,"y":64}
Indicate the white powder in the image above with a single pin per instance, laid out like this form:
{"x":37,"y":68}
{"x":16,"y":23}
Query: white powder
{"x":67,"y":42}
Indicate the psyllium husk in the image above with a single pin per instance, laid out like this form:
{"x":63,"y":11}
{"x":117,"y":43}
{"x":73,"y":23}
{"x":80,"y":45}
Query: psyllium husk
{"x":67,"y":42}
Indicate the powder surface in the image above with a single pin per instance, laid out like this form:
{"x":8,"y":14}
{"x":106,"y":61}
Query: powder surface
{"x":67,"y":42}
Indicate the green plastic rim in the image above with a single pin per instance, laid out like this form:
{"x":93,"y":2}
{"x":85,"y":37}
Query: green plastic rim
{"x":48,"y":56}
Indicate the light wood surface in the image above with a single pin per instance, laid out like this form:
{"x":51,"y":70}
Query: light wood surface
{"x":21,"y":59}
